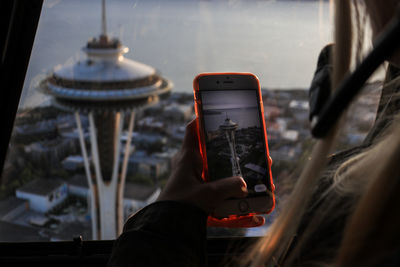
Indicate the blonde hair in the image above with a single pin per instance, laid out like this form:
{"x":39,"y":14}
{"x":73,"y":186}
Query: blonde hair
{"x":270,"y":249}
{"x":372,"y":235}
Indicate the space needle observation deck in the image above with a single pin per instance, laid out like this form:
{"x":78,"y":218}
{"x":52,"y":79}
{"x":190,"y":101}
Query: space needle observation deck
{"x":105,"y":80}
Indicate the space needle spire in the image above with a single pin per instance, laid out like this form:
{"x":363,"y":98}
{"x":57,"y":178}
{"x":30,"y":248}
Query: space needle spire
{"x":103,"y":18}
{"x":229,"y":127}
{"x":105,"y":88}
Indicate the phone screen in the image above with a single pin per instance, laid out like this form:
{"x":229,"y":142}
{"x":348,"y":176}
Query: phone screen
{"x":234,"y":138}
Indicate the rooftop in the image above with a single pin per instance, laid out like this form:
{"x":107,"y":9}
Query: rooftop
{"x":178,"y":107}
{"x":78,"y":180}
{"x":74,"y":158}
{"x":299,"y":104}
{"x":132,"y":191}
{"x":41,"y":187}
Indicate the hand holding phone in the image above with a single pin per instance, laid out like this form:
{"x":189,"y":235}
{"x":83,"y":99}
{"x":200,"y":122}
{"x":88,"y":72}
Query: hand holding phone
{"x":185,"y":183}
{"x":233,"y":140}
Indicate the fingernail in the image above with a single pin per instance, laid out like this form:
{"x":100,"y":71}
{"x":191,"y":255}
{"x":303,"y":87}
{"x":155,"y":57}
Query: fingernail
{"x":244,"y":190}
{"x":243,"y":182}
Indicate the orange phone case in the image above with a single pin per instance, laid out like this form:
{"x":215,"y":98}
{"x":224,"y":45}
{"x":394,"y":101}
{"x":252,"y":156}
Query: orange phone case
{"x":233,"y":220}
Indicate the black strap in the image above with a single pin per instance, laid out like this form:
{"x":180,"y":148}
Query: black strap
{"x":386,"y":44}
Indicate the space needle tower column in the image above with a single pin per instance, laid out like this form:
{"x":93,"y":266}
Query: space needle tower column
{"x":105,"y":87}
{"x":229,"y":127}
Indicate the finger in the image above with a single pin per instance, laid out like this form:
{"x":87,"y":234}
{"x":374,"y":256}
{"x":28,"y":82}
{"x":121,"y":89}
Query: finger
{"x":191,"y":137}
{"x":226,"y":188}
{"x":197,"y":164}
{"x":239,"y":222}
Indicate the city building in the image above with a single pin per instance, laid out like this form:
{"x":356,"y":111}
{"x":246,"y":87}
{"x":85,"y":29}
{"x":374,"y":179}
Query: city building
{"x":73,"y":162}
{"x":178,"y":112}
{"x":150,"y":124}
{"x":148,"y":140}
{"x":299,"y":109}
{"x":51,"y":151}
{"x":36,"y":131}
{"x":43,"y":194}
{"x":167,"y":155}
{"x":290,"y":135}
{"x":151,"y":167}
{"x":176,"y":132}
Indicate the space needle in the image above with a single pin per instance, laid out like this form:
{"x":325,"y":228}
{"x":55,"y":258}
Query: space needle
{"x":105,"y":87}
{"x":229,"y":127}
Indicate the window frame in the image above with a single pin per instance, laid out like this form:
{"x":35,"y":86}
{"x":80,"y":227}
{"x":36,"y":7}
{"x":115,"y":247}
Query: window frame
{"x":97,"y":253}
{"x":19,"y":21}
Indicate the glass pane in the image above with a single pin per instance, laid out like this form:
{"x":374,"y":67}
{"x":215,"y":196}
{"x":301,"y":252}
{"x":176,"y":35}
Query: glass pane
{"x":48,"y":177}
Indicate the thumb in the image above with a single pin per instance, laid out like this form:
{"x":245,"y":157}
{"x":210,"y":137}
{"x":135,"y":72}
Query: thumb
{"x":228,"y":187}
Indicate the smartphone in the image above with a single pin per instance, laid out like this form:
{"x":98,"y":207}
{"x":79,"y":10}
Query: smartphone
{"x":233,"y":139}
